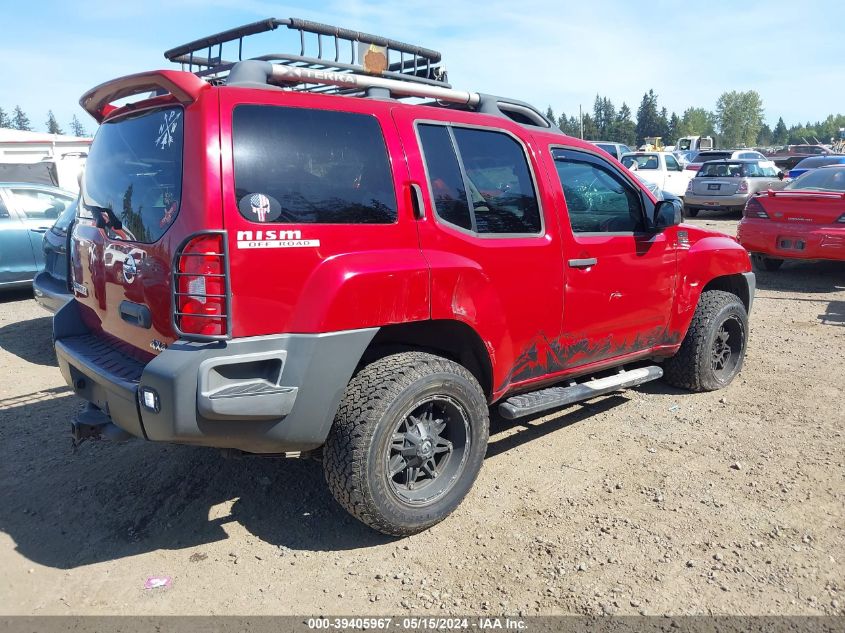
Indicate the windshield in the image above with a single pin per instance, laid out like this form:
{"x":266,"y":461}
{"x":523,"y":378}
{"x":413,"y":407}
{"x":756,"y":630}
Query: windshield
{"x":610,"y":149}
{"x":133,"y":177}
{"x":825,"y":179}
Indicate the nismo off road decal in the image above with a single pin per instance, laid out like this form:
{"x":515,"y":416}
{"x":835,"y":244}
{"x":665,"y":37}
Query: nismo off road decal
{"x":274,"y":239}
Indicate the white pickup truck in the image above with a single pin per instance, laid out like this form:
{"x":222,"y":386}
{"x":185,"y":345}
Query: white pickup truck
{"x":660,"y":168}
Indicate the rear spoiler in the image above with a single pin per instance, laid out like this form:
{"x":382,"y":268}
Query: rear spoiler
{"x":185,"y":88}
{"x":805,"y":193}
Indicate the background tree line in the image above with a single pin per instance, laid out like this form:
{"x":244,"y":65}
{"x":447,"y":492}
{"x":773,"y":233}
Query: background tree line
{"x":737,"y":121}
{"x":18,"y":120}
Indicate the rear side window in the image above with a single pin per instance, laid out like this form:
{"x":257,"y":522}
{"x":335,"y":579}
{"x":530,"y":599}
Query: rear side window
{"x":492,"y":176}
{"x":302,"y":166}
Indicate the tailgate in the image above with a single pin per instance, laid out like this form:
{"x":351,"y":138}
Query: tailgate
{"x":136,"y":208}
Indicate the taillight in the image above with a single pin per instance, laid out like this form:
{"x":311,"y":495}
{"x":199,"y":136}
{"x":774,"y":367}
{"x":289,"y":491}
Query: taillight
{"x":200,"y":288}
{"x":689,"y":186}
{"x":693,"y":166}
{"x":753,"y":209}
{"x":743,"y":186}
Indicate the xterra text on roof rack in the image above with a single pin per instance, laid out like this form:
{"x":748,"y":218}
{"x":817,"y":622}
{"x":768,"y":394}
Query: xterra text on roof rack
{"x":279,"y":255}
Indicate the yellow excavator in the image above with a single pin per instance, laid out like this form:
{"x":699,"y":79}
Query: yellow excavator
{"x":653,"y":144}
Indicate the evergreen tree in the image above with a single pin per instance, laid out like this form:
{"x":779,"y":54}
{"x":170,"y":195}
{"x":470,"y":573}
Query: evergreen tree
{"x":5,"y":121}
{"x":674,"y":124}
{"x":648,"y":123}
{"x":20,"y":121}
{"x":624,"y":129}
{"x":550,"y":114}
{"x":77,"y":129}
{"x":52,"y":124}
{"x":590,"y":130}
{"x":780,"y":135}
{"x":764,"y":136}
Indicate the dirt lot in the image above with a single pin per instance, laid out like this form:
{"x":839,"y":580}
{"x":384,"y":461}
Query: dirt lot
{"x":651,"y":501}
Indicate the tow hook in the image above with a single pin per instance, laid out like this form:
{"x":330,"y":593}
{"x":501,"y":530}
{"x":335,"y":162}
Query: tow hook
{"x":93,"y":424}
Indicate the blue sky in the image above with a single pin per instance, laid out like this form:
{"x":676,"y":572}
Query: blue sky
{"x":547,"y":52}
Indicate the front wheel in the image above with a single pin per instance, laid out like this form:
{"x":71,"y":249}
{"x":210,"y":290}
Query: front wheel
{"x":407,"y":442}
{"x":712,"y":352}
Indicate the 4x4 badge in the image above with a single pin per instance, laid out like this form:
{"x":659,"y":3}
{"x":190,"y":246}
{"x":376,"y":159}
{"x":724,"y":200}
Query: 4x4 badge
{"x":157,"y":345}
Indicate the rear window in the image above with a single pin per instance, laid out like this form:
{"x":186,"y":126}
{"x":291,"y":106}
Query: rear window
{"x":302,"y":166}
{"x":133,"y":176}
{"x":825,"y":179}
{"x":705,"y":156}
{"x":610,"y":149}
{"x":818,"y":161}
{"x":737,"y":170}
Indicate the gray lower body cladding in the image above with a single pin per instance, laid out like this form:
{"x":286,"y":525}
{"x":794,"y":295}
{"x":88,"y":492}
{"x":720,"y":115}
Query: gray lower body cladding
{"x":265,"y":394}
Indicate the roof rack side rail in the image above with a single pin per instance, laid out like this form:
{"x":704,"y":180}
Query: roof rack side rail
{"x":285,"y":74}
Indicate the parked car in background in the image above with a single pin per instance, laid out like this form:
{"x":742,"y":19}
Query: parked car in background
{"x":722,"y":154}
{"x":617,"y":150}
{"x":726,"y":185}
{"x":50,"y":286}
{"x":661,"y":168}
{"x":814,"y":162}
{"x":806,"y":220}
{"x":27,"y":212}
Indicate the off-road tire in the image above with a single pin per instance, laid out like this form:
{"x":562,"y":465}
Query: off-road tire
{"x":690,"y":213}
{"x":692,"y":367}
{"x":769,"y":264}
{"x":379,"y":397}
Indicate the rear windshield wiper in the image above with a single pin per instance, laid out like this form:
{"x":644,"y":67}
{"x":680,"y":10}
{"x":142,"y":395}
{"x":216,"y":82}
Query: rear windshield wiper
{"x":105,"y":217}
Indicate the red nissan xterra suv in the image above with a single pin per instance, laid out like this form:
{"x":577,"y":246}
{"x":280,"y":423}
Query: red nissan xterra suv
{"x":336,"y":253}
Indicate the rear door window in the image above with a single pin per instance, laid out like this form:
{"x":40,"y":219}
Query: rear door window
{"x":480,"y":180}
{"x":302,"y":166}
{"x":37,"y":204}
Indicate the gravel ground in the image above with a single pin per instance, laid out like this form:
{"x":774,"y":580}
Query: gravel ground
{"x":651,"y":501}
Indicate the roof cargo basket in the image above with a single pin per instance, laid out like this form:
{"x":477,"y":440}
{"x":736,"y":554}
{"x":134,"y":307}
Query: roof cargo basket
{"x":334,"y":60}
{"x":321,"y":47}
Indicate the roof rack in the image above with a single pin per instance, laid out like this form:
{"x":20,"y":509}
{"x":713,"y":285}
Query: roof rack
{"x":347,"y":62}
{"x":337,"y":50}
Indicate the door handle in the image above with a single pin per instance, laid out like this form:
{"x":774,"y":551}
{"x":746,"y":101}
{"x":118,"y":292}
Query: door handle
{"x":40,"y":229}
{"x":583,"y":263}
{"x":417,"y":201}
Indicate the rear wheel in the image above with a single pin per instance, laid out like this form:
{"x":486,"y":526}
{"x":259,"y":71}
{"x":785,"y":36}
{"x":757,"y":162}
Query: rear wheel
{"x":407,"y":442}
{"x":690,"y":213}
{"x":770,"y":264}
{"x":712,"y":352}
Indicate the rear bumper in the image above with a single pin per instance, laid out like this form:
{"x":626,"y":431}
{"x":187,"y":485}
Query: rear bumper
{"x":787,"y":241}
{"x":50,"y":293}
{"x":266,"y":394}
{"x":697,"y":201}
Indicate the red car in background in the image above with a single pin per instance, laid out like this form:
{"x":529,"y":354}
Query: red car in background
{"x":805,"y":220}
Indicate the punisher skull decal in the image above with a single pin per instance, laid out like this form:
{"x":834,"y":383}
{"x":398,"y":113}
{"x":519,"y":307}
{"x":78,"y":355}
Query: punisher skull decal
{"x":259,"y":207}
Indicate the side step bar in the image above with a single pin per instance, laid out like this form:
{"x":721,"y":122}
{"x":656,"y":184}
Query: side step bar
{"x":554,"y":397}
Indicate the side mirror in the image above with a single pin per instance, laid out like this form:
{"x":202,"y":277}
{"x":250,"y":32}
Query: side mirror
{"x":781,"y":175}
{"x":668,"y":213}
